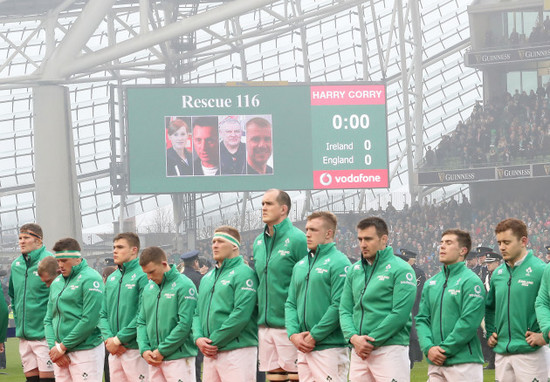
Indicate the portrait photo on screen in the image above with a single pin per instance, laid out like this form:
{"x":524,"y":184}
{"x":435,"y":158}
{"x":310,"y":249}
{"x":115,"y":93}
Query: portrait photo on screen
{"x":259,"y":145}
{"x":206,"y":148}
{"x":232,"y":144}
{"x":179,"y":146}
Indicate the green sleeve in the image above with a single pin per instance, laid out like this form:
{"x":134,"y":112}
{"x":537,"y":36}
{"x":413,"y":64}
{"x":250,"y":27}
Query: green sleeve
{"x":490,"y":305}
{"x":92,"y":293}
{"x":11,"y":294}
{"x":245,"y":299}
{"x":404,"y":294}
{"x":473,"y":309}
{"x":542,"y":304}
{"x":346,"y":309}
{"x":104,"y":325}
{"x":4,"y":317}
{"x":197,"y":327}
{"x":330,"y":321}
{"x":423,"y":322}
{"x":187,"y":303}
{"x":48,"y":327}
{"x":291,"y":314}
{"x":129,"y":332}
{"x":197,"y":324}
{"x":142,"y":337}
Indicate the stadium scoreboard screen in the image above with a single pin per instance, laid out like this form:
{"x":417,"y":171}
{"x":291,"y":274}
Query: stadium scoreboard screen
{"x":216,"y":138}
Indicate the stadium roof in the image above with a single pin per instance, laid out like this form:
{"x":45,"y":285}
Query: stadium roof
{"x":323,"y":41}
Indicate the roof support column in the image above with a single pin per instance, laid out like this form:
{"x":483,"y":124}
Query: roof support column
{"x":57,"y":203}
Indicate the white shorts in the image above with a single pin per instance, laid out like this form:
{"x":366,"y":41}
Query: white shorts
{"x":547,"y":357}
{"x":275,"y":350}
{"x":387,"y":363}
{"x":85,"y":366}
{"x":471,"y":372}
{"x":521,"y":367}
{"x":324,"y":365}
{"x":231,"y":366}
{"x":128,"y":367}
{"x":182,"y":369}
{"x":35,"y":355}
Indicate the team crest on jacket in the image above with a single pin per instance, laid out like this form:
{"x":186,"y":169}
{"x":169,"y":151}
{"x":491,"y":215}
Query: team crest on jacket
{"x":528,"y":271}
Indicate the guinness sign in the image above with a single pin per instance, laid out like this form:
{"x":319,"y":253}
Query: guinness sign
{"x":456,"y":176}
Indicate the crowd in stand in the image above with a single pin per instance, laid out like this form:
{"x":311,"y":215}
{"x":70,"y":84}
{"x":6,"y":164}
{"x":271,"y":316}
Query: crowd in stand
{"x":418,"y":228}
{"x":540,"y":34}
{"x":509,"y":129}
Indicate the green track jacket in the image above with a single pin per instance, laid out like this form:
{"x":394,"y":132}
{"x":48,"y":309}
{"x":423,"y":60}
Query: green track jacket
{"x":226,"y":311}
{"x":274,"y":258}
{"x":451,"y":309}
{"x":377,"y":300}
{"x":510,"y":304}
{"x":73,"y":309}
{"x":121,"y":303}
{"x":29,"y":295}
{"x":165,"y":317}
{"x":4,"y":319}
{"x":542,"y":304}
{"x":314,"y":297}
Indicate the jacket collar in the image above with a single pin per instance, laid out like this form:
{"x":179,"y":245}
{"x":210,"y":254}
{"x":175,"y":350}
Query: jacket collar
{"x":129,"y":266}
{"x":33,"y":256}
{"x":281,"y":227}
{"x":75,"y":270}
{"x":383,"y":255}
{"x":522,"y":261}
{"x":323,"y":249}
{"x":453,"y":269}
{"x":231,"y":263}
{"x":171,"y":275}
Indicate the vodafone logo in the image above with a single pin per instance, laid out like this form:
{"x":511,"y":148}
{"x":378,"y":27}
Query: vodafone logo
{"x":325,"y":179}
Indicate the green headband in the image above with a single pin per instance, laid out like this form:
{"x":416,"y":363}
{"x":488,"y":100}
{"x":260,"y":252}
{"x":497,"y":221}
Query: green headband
{"x":227,"y":237}
{"x":68,"y":255}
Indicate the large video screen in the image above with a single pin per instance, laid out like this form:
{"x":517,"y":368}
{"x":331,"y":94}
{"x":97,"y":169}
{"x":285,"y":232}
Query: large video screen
{"x":214,"y":138}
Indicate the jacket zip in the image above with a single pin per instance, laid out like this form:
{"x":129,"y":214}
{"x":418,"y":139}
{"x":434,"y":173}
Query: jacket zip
{"x":508,"y":312}
{"x":57,"y":302}
{"x":365,"y":289}
{"x":157,"y":314}
{"x":118,"y":301}
{"x":267,"y":258}
{"x":307,"y":286}
{"x":210,"y":302}
{"x":447,"y":273}
{"x":25,"y":296}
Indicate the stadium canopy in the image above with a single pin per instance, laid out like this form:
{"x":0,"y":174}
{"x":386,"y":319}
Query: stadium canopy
{"x":92,"y":49}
